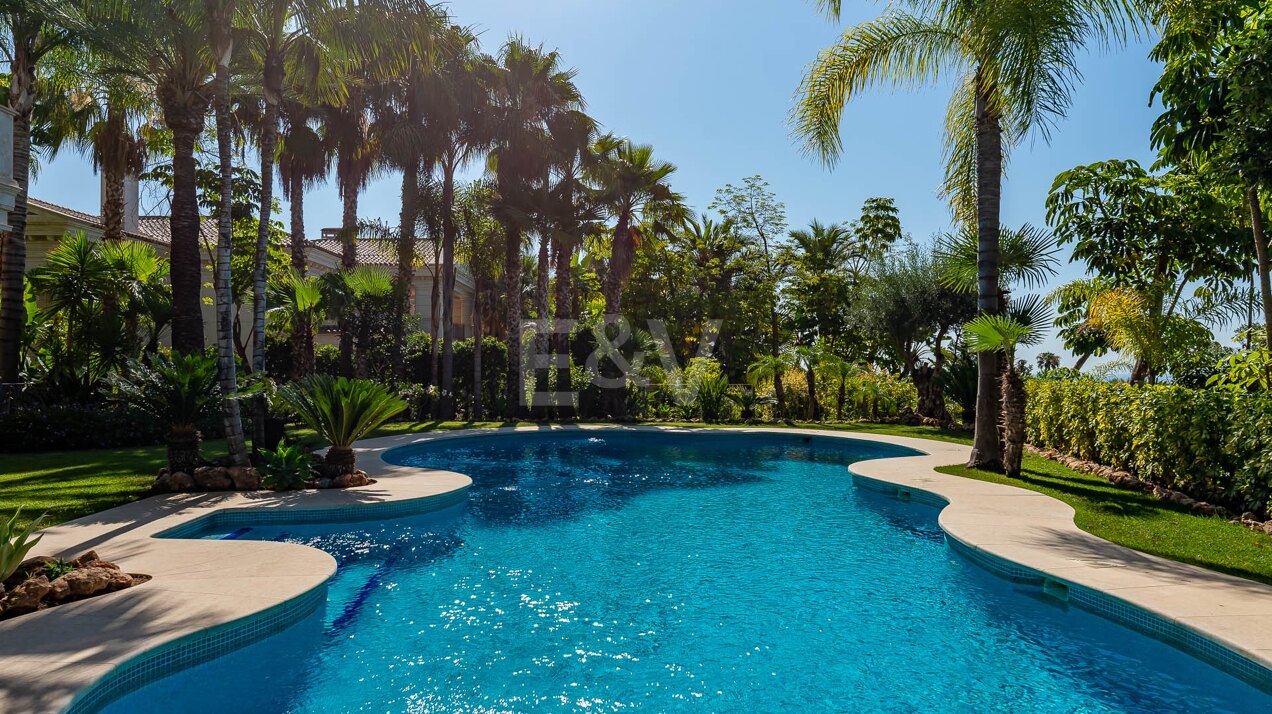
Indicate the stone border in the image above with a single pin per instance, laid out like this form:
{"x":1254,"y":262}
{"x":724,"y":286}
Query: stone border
{"x":84,"y":654}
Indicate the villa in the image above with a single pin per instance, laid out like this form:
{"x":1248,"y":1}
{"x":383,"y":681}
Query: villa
{"x":47,"y":223}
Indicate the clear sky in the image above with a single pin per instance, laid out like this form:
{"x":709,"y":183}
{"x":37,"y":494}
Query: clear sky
{"x":709,"y":84}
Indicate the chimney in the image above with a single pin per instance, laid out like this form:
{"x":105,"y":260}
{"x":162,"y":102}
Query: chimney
{"x":132,"y":198}
{"x":132,"y":203}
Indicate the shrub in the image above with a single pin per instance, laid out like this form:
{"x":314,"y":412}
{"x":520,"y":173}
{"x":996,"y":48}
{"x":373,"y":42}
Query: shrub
{"x":178,"y":391}
{"x":713,"y":400}
{"x":285,"y":468}
{"x":15,"y":543}
{"x":341,"y":411}
{"x":1213,"y":444}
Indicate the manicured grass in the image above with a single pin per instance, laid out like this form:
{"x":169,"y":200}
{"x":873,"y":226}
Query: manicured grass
{"x":70,"y":484}
{"x":1142,"y":522}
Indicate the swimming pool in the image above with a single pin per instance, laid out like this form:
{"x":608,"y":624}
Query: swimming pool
{"x":609,"y":571}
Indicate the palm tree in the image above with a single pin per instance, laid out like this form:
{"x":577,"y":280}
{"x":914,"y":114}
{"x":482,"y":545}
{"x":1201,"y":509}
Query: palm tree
{"x":840,"y":370}
{"x":1048,"y":361}
{"x":298,"y":301}
{"x":634,"y":186}
{"x":770,"y":368}
{"x":28,"y":35}
{"x":529,"y":90}
{"x":164,"y":44}
{"x":1002,"y":334}
{"x":808,"y":358}
{"x":480,"y":249}
{"x":458,"y":92}
{"x":279,"y":35}
{"x":179,"y":390}
{"x":1015,"y":62}
{"x":303,"y":156}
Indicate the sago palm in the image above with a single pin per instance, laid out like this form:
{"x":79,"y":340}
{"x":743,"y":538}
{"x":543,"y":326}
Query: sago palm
{"x":341,"y":410}
{"x":1014,"y":65}
{"x":179,"y":391}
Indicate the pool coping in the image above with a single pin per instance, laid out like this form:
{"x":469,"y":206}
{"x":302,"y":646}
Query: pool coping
{"x":209,"y":597}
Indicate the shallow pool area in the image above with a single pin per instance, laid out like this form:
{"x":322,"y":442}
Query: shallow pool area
{"x":608,"y":571}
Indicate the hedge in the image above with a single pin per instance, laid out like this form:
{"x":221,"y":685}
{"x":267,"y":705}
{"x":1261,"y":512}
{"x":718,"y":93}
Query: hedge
{"x":1214,"y":445}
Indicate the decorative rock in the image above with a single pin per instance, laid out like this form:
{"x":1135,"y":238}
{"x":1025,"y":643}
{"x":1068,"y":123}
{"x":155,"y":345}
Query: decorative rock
{"x":1267,"y":527}
{"x":26,"y":597}
{"x":357,"y":478}
{"x":87,"y":581}
{"x":117,"y":580}
{"x":59,"y":590}
{"x":177,"y":482}
{"x":213,"y":478}
{"x":322,"y":483}
{"x":244,"y":478}
{"x":85,"y":558}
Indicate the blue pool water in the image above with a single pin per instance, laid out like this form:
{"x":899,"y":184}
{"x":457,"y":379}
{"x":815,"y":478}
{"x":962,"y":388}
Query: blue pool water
{"x":608,"y":572}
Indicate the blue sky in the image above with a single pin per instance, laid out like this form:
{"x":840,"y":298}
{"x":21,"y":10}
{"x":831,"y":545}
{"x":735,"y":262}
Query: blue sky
{"x":709,"y":84}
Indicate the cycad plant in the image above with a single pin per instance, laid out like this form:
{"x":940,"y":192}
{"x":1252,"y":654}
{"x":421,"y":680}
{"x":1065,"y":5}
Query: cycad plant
{"x":342,"y":411}
{"x":179,"y":390}
{"x":749,"y":402}
{"x":713,"y":398}
{"x":1003,"y":333}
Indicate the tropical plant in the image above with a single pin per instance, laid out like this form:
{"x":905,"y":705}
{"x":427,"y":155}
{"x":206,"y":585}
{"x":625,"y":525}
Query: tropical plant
{"x":16,"y":542}
{"x":285,"y":468}
{"x":713,"y":398}
{"x":179,"y":391}
{"x":56,"y":568}
{"x":1002,"y":334}
{"x":1014,"y":63}
{"x":297,"y":303}
{"x":31,"y":31}
{"x":839,"y":371}
{"x":341,"y":410}
{"x":750,"y":401}
{"x":768,"y":369}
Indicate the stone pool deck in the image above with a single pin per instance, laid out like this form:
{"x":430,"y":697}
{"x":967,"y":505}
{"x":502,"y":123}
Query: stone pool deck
{"x":49,"y":657}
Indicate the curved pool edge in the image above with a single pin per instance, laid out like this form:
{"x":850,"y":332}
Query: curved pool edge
{"x":227,"y":586}
{"x":206,"y":598}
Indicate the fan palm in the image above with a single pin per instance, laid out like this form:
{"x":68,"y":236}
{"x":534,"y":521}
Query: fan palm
{"x":1014,"y":63}
{"x":341,"y":410}
{"x":1002,"y":334}
{"x":297,"y":301}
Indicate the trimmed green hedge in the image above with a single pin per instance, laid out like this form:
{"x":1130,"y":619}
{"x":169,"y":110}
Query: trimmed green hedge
{"x":1212,"y":444}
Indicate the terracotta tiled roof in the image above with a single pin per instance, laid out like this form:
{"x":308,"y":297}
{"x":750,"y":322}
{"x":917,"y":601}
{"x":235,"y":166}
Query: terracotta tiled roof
{"x":375,"y":251}
{"x":158,"y":229}
{"x":70,"y":212}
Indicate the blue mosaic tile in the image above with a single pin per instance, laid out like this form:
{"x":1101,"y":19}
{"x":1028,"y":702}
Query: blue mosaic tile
{"x":195,"y":648}
{"x":1099,"y":603}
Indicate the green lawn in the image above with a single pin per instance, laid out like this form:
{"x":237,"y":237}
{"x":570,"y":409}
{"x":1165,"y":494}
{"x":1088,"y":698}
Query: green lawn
{"x":70,"y":484}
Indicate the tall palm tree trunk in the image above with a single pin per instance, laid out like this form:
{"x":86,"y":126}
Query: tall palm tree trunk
{"x":434,"y":316}
{"x":989,"y":169}
{"x":185,"y":258}
{"x":620,"y":266}
{"x":405,"y":266}
{"x":224,"y":299}
{"x":13,"y":257}
{"x":1261,"y":252}
{"x":477,"y":337}
{"x":269,"y":140}
{"x":563,"y":303}
{"x":449,"y":231}
{"x":113,"y":170}
{"x":512,"y":319}
{"x":302,"y":337}
{"x":349,"y":247}
{"x":543,"y":316}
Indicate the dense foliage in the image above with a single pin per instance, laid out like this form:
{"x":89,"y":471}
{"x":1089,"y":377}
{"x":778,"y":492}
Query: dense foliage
{"x":1213,"y":444}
